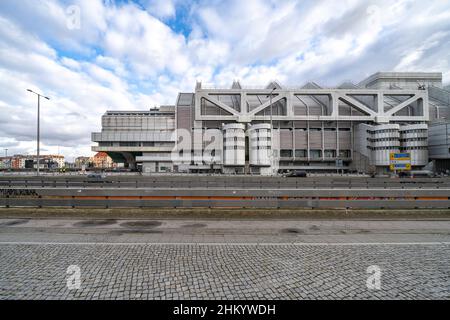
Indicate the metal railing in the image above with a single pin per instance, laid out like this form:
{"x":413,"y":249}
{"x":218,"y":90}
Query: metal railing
{"x":220,"y":182}
{"x":260,"y":203}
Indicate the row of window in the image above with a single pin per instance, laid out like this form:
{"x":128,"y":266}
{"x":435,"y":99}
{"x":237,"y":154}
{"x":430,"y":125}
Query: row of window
{"x":414,"y":131}
{"x":316,"y":129}
{"x":129,"y":144}
{"x":299,"y":153}
{"x":235,"y":139}
{"x":414,"y":139}
{"x":136,"y":114}
{"x":414,"y":148}
{"x":262,"y":139}
{"x":211,"y":152}
{"x":234,"y":147}
{"x":397,"y":130}
{"x":134,"y":144}
{"x":397,"y":139}
{"x":382,"y":131}
{"x":314,"y":153}
{"x":326,"y":129}
{"x":383,"y":148}
{"x":139,"y":131}
{"x":383,"y":139}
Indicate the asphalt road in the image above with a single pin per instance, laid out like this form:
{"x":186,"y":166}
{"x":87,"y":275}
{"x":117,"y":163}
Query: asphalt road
{"x":224,"y":259}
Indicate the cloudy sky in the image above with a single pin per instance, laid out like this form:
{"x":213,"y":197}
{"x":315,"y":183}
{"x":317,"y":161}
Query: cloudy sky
{"x":90,"y":56}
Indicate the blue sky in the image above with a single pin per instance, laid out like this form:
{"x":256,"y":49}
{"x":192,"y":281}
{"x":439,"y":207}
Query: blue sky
{"x":90,"y":56}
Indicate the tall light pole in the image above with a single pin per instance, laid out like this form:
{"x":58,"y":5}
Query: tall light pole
{"x":271,"y":111}
{"x":272,"y":154}
{"x":38,"y":123}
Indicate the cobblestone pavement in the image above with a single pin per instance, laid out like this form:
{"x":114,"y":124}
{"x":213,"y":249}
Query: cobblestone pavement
{"x":224,"y":259}
{"x":211,"y":271}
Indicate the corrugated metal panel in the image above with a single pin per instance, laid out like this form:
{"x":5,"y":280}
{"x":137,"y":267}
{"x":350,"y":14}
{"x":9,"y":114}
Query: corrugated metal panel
{"x":184,"y":117}
{"x":211,"y":110}
{"x":285,"y":139}
{"x":300,"y":124}
{"x":324,"y":99}
{"x":299,"y":110}
{"x":402,"y":112}
{"x":355,"y":112}
{"x":330,"y":140}
{"x":301,"y":141}
{"x":345,"y":140}
{"x":315,"y":110}
{"x":315,"y":124}
{"x":344,"y":110}
{"x":213,"y":124}
{"x":315,"y":139}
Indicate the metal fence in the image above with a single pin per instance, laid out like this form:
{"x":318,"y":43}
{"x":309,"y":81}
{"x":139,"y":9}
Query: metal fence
{"x":224,"y":183}
{"x":310,"y":203}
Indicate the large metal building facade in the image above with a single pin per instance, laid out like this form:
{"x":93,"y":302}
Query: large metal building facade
{"x":267,"y":130}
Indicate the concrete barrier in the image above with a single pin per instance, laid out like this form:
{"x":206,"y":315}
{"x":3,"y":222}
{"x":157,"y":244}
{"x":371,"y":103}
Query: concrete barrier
{"x":220,"y":191}
{"x":259,"y":193}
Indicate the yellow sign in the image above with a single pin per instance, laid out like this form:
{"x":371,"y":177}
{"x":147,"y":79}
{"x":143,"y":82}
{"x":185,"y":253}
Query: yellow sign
{"x":400,"y":166}
{"x":400,"y":156}
{"x":400,"y":161}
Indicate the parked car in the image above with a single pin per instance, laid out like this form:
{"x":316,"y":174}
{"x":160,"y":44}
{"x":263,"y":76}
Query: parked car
{"x":95,"y":177}
{"x":417,"y":174}
{"x":297,"y":173}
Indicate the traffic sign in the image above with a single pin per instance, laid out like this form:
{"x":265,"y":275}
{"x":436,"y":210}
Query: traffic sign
{"x":400,"y":166}
{"x":400,"y":156}
{"x":400,"y":161}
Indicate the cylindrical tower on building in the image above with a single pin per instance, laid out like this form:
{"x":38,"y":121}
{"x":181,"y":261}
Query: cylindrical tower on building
{"x":414,"y":140}
{"x":234,"y":144}
{"x":260,"y":144}
{"x":385,"y":139}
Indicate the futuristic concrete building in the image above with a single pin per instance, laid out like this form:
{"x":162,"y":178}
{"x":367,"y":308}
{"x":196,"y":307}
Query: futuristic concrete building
{"x":136,"y":137}
{"x":353,"y":127}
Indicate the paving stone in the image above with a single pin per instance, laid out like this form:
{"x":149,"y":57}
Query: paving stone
{"x":152,"y":271}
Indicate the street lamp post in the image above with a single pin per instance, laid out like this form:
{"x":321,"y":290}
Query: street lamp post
{"x":271,"y":111}
{"x":38,"y":123}
{"x":272,"y":154}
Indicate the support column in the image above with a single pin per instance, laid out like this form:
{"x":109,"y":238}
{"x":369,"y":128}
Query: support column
{"x":337,"y":139}
{"x":334,"y":104}
{"x":380,"y":104}
{"x":244,"y":109}
{"x":323,"y":141}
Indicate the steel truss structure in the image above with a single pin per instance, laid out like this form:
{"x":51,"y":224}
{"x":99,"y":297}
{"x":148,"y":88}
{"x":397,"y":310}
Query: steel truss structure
{"x":386,"y":104}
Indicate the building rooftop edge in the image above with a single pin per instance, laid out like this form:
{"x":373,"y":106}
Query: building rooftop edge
{"x":404,"y":75}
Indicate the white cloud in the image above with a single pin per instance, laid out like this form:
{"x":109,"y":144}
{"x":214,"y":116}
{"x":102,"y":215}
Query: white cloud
{"x":160,"y":8}
{"x":144,"y":42}
{"x":411,"y":57}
